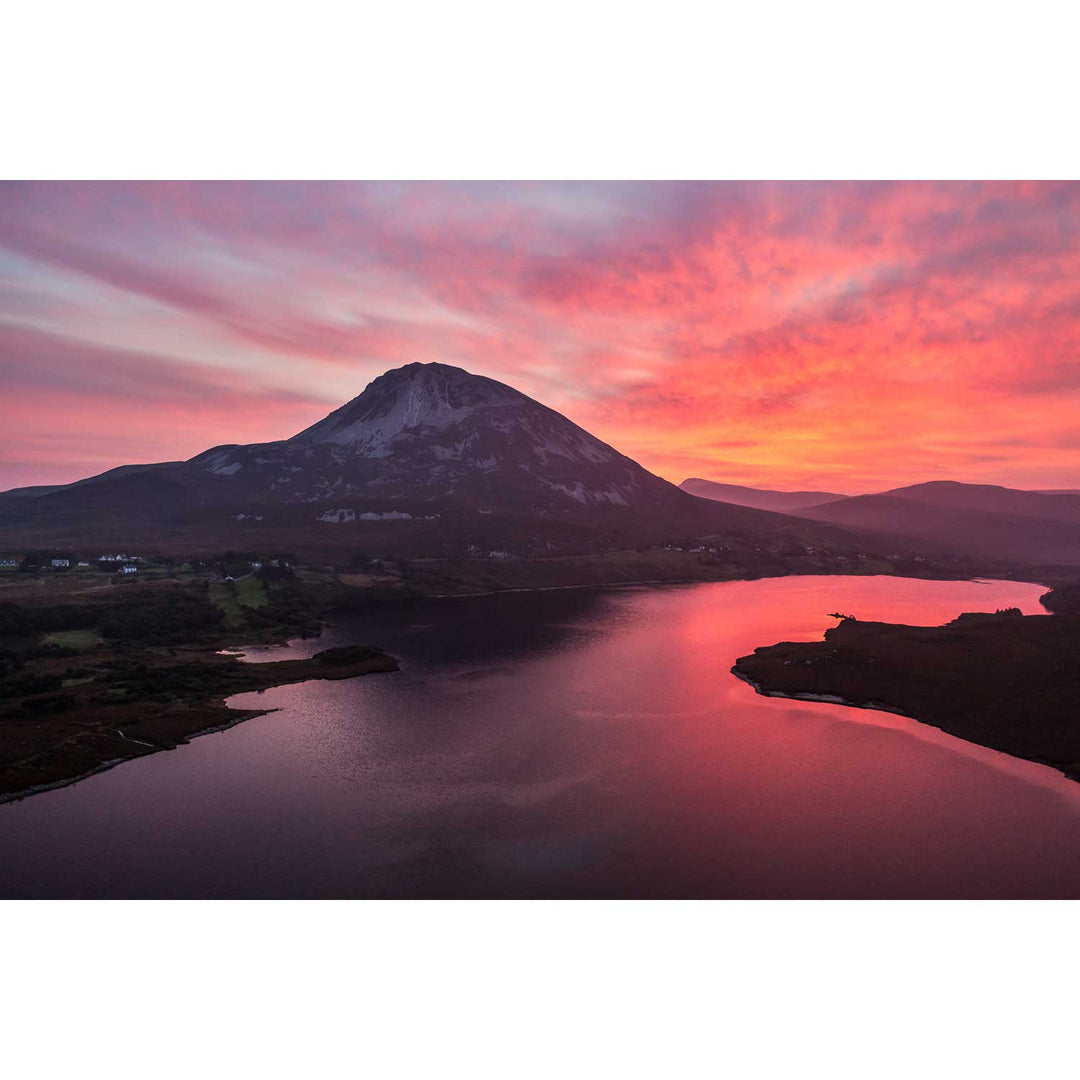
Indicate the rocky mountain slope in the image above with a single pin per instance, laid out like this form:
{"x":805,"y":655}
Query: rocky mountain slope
{"x":433,"y":437}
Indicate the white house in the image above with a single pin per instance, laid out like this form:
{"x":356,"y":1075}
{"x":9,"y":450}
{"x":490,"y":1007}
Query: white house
{"x":128,"y":570}
{"x":56,"y":563}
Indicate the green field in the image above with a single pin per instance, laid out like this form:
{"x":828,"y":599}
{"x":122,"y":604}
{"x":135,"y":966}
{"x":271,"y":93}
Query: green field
{"x":221,"y":594}
{"x":251,"y":592}
{"x":233,"y":596}
{"x":73,"y":639}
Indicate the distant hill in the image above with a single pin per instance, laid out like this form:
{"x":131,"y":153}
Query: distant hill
{"x":14,"y":495}
{"x":429,"y":460}
{"x":979,"y":520}
{"x":1057,"y":505}
{"x":761,"y":498}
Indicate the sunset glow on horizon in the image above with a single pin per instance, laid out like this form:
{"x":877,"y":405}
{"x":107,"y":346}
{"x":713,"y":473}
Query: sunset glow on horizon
{"x":841,"y":336}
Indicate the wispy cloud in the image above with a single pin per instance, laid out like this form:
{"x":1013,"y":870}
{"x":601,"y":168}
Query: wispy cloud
{"x":820,"y":333}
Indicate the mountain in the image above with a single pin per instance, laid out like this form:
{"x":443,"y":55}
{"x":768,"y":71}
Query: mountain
{"x":435,"y":435}
{"x":979,"y":520}
{"x":428,"y":460}
{"x":1056,"y":505}
{"x":763,"y":498}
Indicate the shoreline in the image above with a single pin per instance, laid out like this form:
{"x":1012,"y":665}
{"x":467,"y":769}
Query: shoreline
{"x":977,"y":579}
{"x":825,"y":699}
{"x":589,"y":585}
{"x":892,"y":710}
{"x":208,"y":714}
{"x":105,"y":766}
{"x":997,"y":682}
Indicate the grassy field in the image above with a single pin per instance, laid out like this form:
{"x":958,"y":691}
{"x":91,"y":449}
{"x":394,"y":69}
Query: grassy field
{"x":73,"y":639}
{"x":251,"y":592}
{"x":233,"y":596}
{"x":221,"y":593}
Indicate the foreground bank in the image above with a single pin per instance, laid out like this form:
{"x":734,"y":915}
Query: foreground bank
{"x":160,"y":704}
{"x":92,"y":673}
{"x":1003,"y":680}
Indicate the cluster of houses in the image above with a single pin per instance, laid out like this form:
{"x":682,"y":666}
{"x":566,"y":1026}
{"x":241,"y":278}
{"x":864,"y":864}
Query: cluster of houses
{"x":256,"y":565}
{"x":125,"y":563}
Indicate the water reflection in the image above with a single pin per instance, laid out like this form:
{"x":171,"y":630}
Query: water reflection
{"x":570,"y":743}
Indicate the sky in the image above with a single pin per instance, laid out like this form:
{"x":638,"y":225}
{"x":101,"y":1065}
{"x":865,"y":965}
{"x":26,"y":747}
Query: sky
{"x":846,"y":337}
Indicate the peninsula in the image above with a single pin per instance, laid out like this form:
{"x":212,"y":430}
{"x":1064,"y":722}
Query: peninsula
{"x":1003,"y":680}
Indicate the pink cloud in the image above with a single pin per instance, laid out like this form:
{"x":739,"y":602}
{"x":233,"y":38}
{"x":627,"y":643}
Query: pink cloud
{"x":869,"y":334}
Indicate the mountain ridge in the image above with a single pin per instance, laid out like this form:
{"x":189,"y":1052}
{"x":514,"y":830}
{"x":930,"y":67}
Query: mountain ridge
{"x":761,"y":498}
{"x":965,"y":523}
{"x":428,"y":459}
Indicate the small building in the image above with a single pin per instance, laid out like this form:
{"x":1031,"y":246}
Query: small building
{"x":128,"y":570}
{"x":59,"y":564}
{"x":83,"y":562}
{"x":6,"y":561}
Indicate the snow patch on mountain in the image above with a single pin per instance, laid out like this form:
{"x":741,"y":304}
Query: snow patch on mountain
{"x":576,"y":492}
{"x":221,"y":465}
{"x":343,"y":517}
{"x":337,"y":517}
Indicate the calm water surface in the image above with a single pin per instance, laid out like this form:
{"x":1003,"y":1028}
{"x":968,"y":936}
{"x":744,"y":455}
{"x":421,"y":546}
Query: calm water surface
{"x":576,"y":743}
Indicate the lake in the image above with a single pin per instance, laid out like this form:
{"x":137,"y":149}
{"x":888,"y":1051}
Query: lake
{"x":570,"y":743}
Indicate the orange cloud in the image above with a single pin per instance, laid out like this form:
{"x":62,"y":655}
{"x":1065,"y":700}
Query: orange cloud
{"x":844,"y":336}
